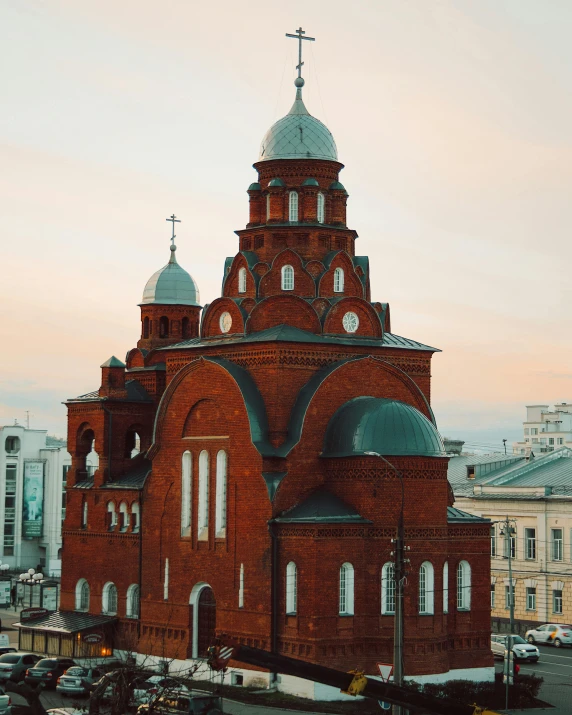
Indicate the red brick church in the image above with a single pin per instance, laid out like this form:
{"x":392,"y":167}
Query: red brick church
{"x":235,"y":494}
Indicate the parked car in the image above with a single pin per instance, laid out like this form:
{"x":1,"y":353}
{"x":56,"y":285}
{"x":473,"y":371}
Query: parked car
{"x":152,"y":688}
{"x":13,"y":666}
{"x":5,"y":703}
{"x":78,"y":680}
{"x":47,"y":671}
{"x":135,"y":681}
{"x":183,"y":702}
{"x":550,"y":634}
{"x":8,"y":649}
{"x":521,"y":649}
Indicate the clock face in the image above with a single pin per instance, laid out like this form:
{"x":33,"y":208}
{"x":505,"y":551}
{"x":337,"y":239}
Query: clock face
{"x":350,"y":322}
{"x":225,"y":322}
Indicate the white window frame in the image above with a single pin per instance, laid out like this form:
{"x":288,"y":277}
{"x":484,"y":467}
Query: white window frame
{"x":446,"y":587}
{"x":132,"y":602}
{"x":493,"y":541}
{"x":242,"y":280}
{"x":321,"y":207}
{"x":557,"y":544}
{"x":426,"y":588}
{"x":267,"y":206}
{"x":346,"y":590}
{"x":339,"y":280}
{"x":186,"y":492}
{"x":109,"y":599}
{"x":113,"y":518}
{"x":203,"y":510}
{"x":287,"y":282}
{"x":136,"y":517}
{"x":81,"y":589}
{"x":166,"y":581}
{"x":463,"y":586}
{"x":556,"y":601}
{"x":293,"y":207}
{"x":221,"y":493}
{"x":531,"y":598}
{"x":84,"y":514}
{"x":241,"y":587}
{"x":530,"y":544}
{"x":124,"y":514}
{"x":493,"y":595}
{"x":388,"y":591}
{"x":291,"y":589}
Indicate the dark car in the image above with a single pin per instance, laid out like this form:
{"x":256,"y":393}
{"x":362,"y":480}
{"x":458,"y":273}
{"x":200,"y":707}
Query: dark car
{"x":47,"y":671}
{"x":14,"y":665}
{"x":184,"y":702}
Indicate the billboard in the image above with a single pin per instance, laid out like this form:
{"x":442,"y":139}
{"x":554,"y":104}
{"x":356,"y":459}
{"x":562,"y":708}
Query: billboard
{"x":33,"y":503}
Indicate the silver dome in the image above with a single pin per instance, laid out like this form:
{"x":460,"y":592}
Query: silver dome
{"x":298,"y":135}
{"x":171,"y":285}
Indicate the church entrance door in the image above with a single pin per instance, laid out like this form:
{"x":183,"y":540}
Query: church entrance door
{"x":206,"y":621}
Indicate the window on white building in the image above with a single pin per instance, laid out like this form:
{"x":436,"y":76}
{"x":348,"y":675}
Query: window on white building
{"x":388,"y":588}
{"x":291,"y":589}
{"x":109,"y":599}
{"x":493,"y":540}
{"x":203,"y":520}
{"x":220,"y":510}
{"x":287,"y":278}
{"x":507,"y":595}
{"x":347,"y":590}
{"x":492,"y":596}
{"x":557,"y":601}
{"x":530,"y":544}
{"x":186,"y":490}
{"x":463,"y":586}
{"x":557,"y":544}
{"x":531,"y":598}
{"x":293,"y":206}
{"x":560,"y":440}
{"x":526,"y":431}
{"x":534,"y":430}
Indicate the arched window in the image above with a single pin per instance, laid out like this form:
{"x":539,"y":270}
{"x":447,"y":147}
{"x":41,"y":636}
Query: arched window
{"x":123,"y":517}
{"x":163,"y":327}
{"x":347,"y":590}
{"x":186,"y":491}
{"x":132,"y":443}
{"x":111,"y":516}
{"x":242,"y":280}
{"x":426,"y":588}
{"x":463,"y":586}
{"x":185,"y":328}
{"x":321,"y":212}
{"x":203,"y":521}
{"x":291,"y":589}
{"x":293,"y":206}
{"x":220,"y":510}
{"x":339,"y":280}
{"x":267,"y":206}
{"x":446,"y":587}
{"x":82,"y":595}
{"x":109,"y":599}
{"x":287,"y":278}
{"x":388,"y":588}
{"x":84,"y":514}
{"x":132,"y":607}
{"x":146,"y":327}
{"x":241,"y":587}
{"x":135,"y":518}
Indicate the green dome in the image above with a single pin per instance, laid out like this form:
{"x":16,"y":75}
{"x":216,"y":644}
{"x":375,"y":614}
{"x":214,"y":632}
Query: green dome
{"x":310,"y":182}
{"x":276,"y":182}
{"x":389,"y":427}
{"x":254,"y":187}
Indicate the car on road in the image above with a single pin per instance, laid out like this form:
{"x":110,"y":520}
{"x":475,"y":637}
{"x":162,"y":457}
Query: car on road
{"x":5,"y":703}
{"x":555,"y":634}
{"x":521,"y":649}
{"x":78,"y":680}
{"x":14,"y":665}
{"x":8,"y":649}
{"x":114,"y":680}
{"x":183,"y":702}
{"x":47,"y":671}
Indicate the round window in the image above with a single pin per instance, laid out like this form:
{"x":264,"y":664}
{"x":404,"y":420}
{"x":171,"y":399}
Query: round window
{"x":350,"y":322}
{"x":225,"y":322}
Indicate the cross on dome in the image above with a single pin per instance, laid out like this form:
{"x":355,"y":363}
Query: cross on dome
{"x":299,"y":36}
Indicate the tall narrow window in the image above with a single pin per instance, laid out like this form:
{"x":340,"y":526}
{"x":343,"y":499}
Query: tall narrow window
{"x":267,"y":206}
{"x":132,"y":610}
{"x":321,"y":208}
{"x":508,"y":595}
{"x":220,"y":514}
{"x":339,"y":280}
{"x":185,"y":327}
{"x":530,"y":544}
{"x":557,"y":545}
{"x":492,"y":596}
{"x":123,"y":517}
{"x":111,"y":516}
{"x":146,"y":327}
{"x":84,"y":514}
{"x":109,"y":599}
{"x":164,"y":327}
{"x":186,"y":467}
{"x":493,"y":541}
{"x":388,"y":588}
{"x":291,"y":589}
{"x":446,"y":587}
{"x":241,"y":587}
{"x":463,"y":586}
{"x":203,"y":525}
{"x":426,"y":588}
{"x":293,"y":207}
{"x":557,"y":601}
{"x":166,"y":581}
{"x":287,"y":278}
{"x":242,"y":280}
{"x":531,"y":598}
{"x":82,"y":595}
{"x":135,"y":517}
{"x":347,"y":590}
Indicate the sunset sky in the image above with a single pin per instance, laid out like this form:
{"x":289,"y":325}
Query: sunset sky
{"x":454,"y":122}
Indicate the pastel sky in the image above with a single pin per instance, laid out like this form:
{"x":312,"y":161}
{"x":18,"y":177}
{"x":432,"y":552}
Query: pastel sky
{"x":454,"y":122}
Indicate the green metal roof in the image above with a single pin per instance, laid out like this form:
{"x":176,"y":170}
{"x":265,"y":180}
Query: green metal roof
{"x":254,"y":186}
{"x":337,"y":186}
{"x":324,"y":507}
{"x":456,"y":516}
{"x":113,"y":362}
{"x":276,"y":182}
{"x":310,"y":182}
{"x":373,"y":424}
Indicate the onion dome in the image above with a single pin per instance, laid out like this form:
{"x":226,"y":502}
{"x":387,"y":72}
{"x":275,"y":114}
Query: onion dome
{"x":298,"y":135}
{"x":254,"y":187}
{"x":171,"y":285}
{"x":310,"y":182}
{"x":276,"y":182}
{"x":388,"y":427}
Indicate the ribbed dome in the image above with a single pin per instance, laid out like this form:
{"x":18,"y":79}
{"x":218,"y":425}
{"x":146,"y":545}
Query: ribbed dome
{"x":298,"y":135}
{"x":389,"y":427}
{"x":171,"y":285}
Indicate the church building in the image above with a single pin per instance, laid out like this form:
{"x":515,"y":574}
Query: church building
{"x":240,"y":492}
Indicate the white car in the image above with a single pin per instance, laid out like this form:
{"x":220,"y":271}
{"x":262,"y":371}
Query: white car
{"x":554,"y":634}
{"x":521,"y":649}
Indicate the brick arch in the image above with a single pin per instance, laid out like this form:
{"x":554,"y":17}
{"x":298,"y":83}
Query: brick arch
{"x":369,"y":320}
{"x":283,"y":310}
{"x":271,"y":282}
{"x":352,"y":283}
{"x":135,"y":358}
{"x":230,"y":285}
{"x":206,"y":417}
{"x":210,"y":325}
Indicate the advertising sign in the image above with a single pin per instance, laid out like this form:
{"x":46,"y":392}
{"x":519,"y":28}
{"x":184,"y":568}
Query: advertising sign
{"x":50,"y":598}
{"x":29,"y":614}
{"x":5,"y":595}
{"x":92,"y":638}
{"x":32,"y":521}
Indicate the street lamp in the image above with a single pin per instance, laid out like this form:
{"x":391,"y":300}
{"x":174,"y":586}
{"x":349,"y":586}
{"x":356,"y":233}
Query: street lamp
{"x":32,"y":579}
{"x":399,"y":563}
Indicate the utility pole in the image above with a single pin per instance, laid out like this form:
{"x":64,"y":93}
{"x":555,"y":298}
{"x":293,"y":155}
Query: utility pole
{"x":504,"y":443}
{"x":398,"y":622}
{"x":507,"y":530}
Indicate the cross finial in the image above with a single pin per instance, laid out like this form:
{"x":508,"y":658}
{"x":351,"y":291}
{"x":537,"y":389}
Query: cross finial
{"x":300,"y":36}
{"x":173,"y":219}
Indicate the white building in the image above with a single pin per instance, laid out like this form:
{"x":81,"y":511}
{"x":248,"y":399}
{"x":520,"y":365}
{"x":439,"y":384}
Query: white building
{"x":32,"y":498}
{"x":545,"y":430}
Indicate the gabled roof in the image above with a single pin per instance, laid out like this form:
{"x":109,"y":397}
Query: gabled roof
{"x":456,"y":516}
{"x":135,"y":393}
{"x":457,"y":469}
{"x":134,"y":478}
{"x":67,"y":622}
{"x":324,"y":507}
